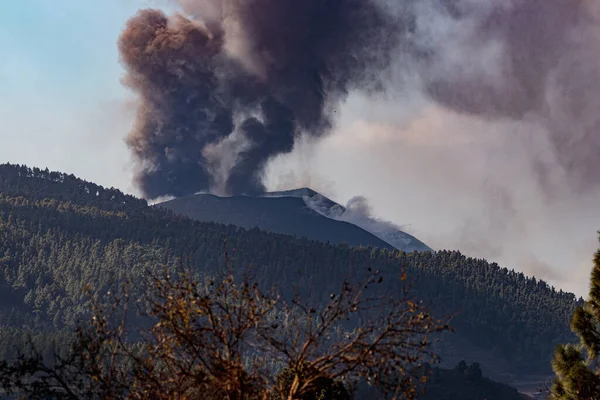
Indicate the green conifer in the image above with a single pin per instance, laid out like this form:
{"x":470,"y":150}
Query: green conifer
{"x":577,"y":366}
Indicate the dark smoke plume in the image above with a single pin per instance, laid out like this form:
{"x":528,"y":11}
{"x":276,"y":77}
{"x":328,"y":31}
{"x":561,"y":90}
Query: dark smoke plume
{"x":257,"y":72}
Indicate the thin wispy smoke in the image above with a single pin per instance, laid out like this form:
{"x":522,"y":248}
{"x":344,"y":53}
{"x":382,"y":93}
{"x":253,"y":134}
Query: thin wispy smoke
{"x":358,"y":212}
{"x":522,"y":60}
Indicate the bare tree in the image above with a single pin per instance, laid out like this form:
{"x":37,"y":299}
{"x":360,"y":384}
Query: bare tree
{"x":227,"y":338}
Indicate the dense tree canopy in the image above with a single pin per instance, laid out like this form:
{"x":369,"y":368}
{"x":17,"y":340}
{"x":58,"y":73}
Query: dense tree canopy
{"x":59,"y":234}
{"x":466,"y":382}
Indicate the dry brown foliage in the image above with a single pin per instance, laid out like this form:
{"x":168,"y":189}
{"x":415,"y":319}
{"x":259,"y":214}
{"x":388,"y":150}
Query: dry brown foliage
{"x":226,"y":338}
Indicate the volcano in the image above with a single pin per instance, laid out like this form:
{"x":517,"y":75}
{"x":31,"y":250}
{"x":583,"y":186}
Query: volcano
{"x":299,"y":212}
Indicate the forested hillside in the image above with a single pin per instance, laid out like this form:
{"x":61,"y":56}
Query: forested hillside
{"x":59,"y":234}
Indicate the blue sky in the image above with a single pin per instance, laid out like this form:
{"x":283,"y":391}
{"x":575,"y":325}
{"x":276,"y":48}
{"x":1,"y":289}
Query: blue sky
{"x":69,"y":49}
{"x":60,"y":95}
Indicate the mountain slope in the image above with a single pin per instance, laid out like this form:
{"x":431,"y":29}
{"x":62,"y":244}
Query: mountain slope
{"x":386,"y":231}
{"x":59,"y":234}
{"x":301,"y":213}
{"x":285,"y":215}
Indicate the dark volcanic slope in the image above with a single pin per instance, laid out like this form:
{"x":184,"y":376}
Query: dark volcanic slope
{"x":381,"y":229}
{"x":284,"y":215}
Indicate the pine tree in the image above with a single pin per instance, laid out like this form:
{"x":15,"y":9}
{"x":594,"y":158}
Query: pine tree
{"x":577,"y":366}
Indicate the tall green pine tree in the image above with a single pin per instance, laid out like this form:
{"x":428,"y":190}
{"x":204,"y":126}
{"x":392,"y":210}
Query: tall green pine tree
{"x":577,"y":366}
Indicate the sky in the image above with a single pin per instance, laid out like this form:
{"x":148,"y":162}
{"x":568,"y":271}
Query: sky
{"x":61,"y":103}
{"x":62,"y":106}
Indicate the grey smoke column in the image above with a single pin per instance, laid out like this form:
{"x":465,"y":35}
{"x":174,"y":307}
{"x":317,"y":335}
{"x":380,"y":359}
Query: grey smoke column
{"x":258,"y":71}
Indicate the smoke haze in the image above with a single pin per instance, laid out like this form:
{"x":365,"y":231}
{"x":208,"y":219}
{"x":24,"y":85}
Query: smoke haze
{"x":455,"y":182}
{"x":475,"y":122}
{"x":539,"y":64}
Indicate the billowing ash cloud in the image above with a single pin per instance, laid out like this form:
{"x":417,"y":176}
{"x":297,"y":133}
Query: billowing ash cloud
{"x":257,"y":73}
